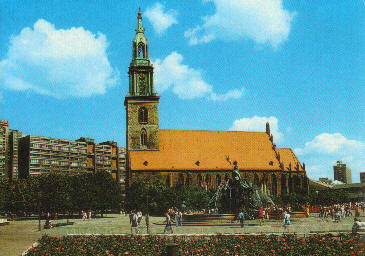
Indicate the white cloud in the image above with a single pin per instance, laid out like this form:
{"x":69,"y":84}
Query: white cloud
{"x":186,"y":82}
{"x":159,"y":19}
{"x":60,"y":63}
{"x":264,"y":21}
{"x":324,"y":150}
{"x":326,"y":143}
{"x":257,"y":124}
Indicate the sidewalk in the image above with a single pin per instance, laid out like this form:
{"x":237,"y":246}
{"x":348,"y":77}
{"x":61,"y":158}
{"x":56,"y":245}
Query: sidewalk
{"x":17,"y":237}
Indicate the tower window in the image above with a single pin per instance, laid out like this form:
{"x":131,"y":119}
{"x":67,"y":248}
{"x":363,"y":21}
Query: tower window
{"x":142,"y":115}
{"x":144,"y":137}
{"x":141,"y":50}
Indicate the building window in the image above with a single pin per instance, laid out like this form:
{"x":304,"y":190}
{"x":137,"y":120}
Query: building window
{"x":181,"y":179}
{"x":144,"y":137}
{"x":200,"y":179}
{"x":168,"y":181}
{"x":217,"y":180}
{"x":189,"y":180}
{"x":141,"y":50}
{"x":256,"y":180}
{"x":207,"y":180}
{"x":274,"y":185}
{"x":142,"y":115}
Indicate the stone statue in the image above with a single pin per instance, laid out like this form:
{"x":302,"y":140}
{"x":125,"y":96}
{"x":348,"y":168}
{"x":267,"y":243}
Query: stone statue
{"x":238,"y":194}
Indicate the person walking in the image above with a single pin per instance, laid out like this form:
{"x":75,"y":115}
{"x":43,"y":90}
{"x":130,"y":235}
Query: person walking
{"x":139,"y":217}
{"x":241,"y":217}
{"x":177,"y":218}
{"x":357,"y":210}
{"x":168,"y":223}
{"x":134,"y":226}
{"x":286,"y":220}
{"x":262,"y":215}
{"x":180,"y":218}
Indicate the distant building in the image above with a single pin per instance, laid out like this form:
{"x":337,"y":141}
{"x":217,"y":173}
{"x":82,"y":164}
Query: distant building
{"x":122,"y":152}
{"x":4,"y":148}
{"x":21,"y":157}
{"x":14,"y":138}
{"x":362,"y":177}
{"x":325,"y":180}
{"x":41,"y":155}
{"x":356,"y":191}
{"x":342,"y":173}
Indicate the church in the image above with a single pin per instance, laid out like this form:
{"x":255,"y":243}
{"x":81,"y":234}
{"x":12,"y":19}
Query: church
{"x":195,"y":157}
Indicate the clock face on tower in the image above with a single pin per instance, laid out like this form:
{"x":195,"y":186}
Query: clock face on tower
{"x":142,"y":84}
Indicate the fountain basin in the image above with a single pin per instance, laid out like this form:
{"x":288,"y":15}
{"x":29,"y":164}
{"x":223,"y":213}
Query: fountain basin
{"x":208,"y":217}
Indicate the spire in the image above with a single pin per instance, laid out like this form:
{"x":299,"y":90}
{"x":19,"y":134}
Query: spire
{"x":140,"y":28}
{"x":268,"y":128}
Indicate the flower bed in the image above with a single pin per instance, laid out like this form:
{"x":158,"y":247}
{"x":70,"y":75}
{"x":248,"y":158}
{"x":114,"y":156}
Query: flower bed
{"x":345,"y":244}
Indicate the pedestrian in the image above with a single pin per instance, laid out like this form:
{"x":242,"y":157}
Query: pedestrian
{"x":261,"y":215}
{"x":180,"y":218}
{"x":357,"y":225}
{"x":241,"y":217}
{"x":130,"y":217}
{"x":307,"y":211}
{"x":83,"y":215}
{"x":286,"y":220}
{"x":139,"y":216}
{"x":177,"y":217}
{"x":357,"y":211}
{"x":168,"y":223}
{"x":89,"y":215}
{"x":134,"y":226}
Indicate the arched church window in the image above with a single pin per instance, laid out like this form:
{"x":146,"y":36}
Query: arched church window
{"x":189,"y":179}
{"x":226,"y":177}
{"x":297,"y":183}
{"x":142,"y":115}
{"x":217,"y":180}
{"x":256,"y":180}
{"x":168,"y":183}
{"x":273,"y":185}
{"x":181,"y":179}
{"x":200,"y":179}
{"x":143,"y":137}
{"x":290,"y":184}
{"x":207,"y":180}
{"x":141,"y":50}
{"x":283,"y":184}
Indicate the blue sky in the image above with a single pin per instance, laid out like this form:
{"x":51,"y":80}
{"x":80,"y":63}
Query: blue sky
{"x":219,"y":65}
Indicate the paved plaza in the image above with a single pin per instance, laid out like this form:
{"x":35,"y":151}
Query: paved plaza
{"x":20,"y":235}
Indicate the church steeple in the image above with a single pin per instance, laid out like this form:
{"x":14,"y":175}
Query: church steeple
{"x":140,"y":69}
{"x":141,"y":102}
{"x":140,"y":28}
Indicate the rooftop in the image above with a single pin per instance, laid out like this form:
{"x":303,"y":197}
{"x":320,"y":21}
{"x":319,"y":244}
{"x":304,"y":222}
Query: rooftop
{"x":208,"y":150}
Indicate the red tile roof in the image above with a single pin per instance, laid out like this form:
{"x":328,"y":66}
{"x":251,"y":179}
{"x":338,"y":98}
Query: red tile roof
{"x":288,"y":157}
{"x":207,"y":150}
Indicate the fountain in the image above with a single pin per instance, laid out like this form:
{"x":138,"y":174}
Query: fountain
{"x":238,"y":194}
{"x":232,"y":196}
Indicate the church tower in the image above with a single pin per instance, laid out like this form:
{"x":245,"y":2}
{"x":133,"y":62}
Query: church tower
{"x":141,"y":102}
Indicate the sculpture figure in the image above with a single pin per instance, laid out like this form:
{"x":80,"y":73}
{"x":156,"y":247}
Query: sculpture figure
{"x":238,"y":194}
